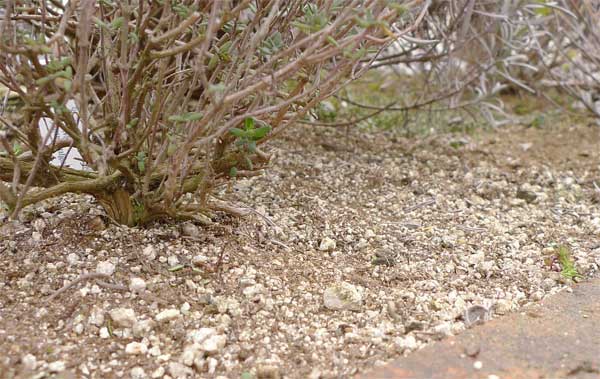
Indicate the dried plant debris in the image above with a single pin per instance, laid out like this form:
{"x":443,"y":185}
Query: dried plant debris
{"x":330,"y":275}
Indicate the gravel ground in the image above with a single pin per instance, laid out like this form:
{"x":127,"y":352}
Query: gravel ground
{"x":363,"y":247}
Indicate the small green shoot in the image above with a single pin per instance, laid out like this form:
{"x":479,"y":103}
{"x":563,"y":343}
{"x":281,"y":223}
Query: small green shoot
{"x":248,"y":136}
{"x":566,"y":262}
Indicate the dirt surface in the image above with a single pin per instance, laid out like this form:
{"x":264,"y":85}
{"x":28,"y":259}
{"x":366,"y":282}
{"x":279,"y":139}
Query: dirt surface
{"x":363,"y":247}
{"x":555,"y":338}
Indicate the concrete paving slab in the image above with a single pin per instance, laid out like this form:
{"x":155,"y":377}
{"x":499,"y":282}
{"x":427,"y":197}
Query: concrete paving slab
{"x":556,"y":338}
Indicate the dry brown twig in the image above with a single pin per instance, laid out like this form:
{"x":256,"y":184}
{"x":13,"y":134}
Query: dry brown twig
{"x":82,"y":278}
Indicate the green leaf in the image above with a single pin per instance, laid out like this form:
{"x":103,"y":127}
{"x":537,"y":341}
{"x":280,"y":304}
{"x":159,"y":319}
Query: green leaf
{"x":117,"y":23}
{"x":249,"y":123}
{"x":233,"y":172}
{"x":395,"y":5}
{"x":67,"y":84}
{"x":214,"y":60}
{"x":67,"y":73}
{"x":57,"y":65}
{"x":141,"y":161}
{"x":252,"y":149}
{"x":543,"y":10}
{"x":261,"y":132}
{"x":305,"y":28}
{"x":133,"y":37}
{"x":17,"y":148}
{"x":132,"y":123}
{"x":216,"y":88}
{"x":566,"y":261}
{"x":332,"y":41}
{"x":249,"y":163}
{"x":43,"y":81}
{"x":224,"y":50}
{"x":246,"y":375}
{"x":101,"y":23}
{"x":181,"y":10}
{"x":238,"y":132}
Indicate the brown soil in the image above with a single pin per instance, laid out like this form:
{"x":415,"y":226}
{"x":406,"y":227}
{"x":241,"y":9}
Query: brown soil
{"x":325,"y":183}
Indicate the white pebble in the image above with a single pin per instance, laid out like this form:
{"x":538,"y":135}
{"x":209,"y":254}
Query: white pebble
{"x":172,"y":260}
{"x":158,"y":373}
{"x":136,"y":348}
{"x":105,"y":267}
{"x":167,"y":314}
{"x":149,"y":252}
{"x":212,"y":365}
{"x":327,"y":244}
{"x":104,"y":332}
{"x":72,"y":259}
{"x":57,"y":366}
{"x":185,"y":308}
{"x":138,"y":373}
{"x":123,"y":317}
{"x":137,"y":285}
{"x":142,"y":328}
{"x":29,"y":361}
{"x":477,"y":365}
{"x":78,"y":329}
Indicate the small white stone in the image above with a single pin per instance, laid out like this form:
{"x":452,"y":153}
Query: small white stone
{"x":104,"y":332}
{"x":198,"y":336}
{"x":158,"y":373}
{"x":96,"y":317}
{"x":189,"y":229}
{"x":72,"y":259}
{"x":137,"y":285}
{"x":136,"y":348}
{"x":36,"y":236}
{"x":167,"y":314}
{"x":477,"y":365}
{"x":123,"y":317}
{"x":343,"y":296}
{"x":149,"y":252}
{"x":29,"y":361}
{"x":78,"y":329}
{"x":445,"y":329}
{"x":212,"y":365}
{"x":477,"y":258}
{"x":369,"y":233}
{"x":185,"y":308}
{"x":253,"y":290}
{"x":179,"y":370}
{"x":105,"y":267}
{"x":199,"y":260}
{"x":327,"y":244}
{"x":213,"y":344}
{"x":172,"y":260}
{"x":57,"y":366}
{"x":189,"y":354}
{"x":406,"y":343}
{"x":138,"y":373}
{"x":154,"y":351}
{"x":142,"y":328}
